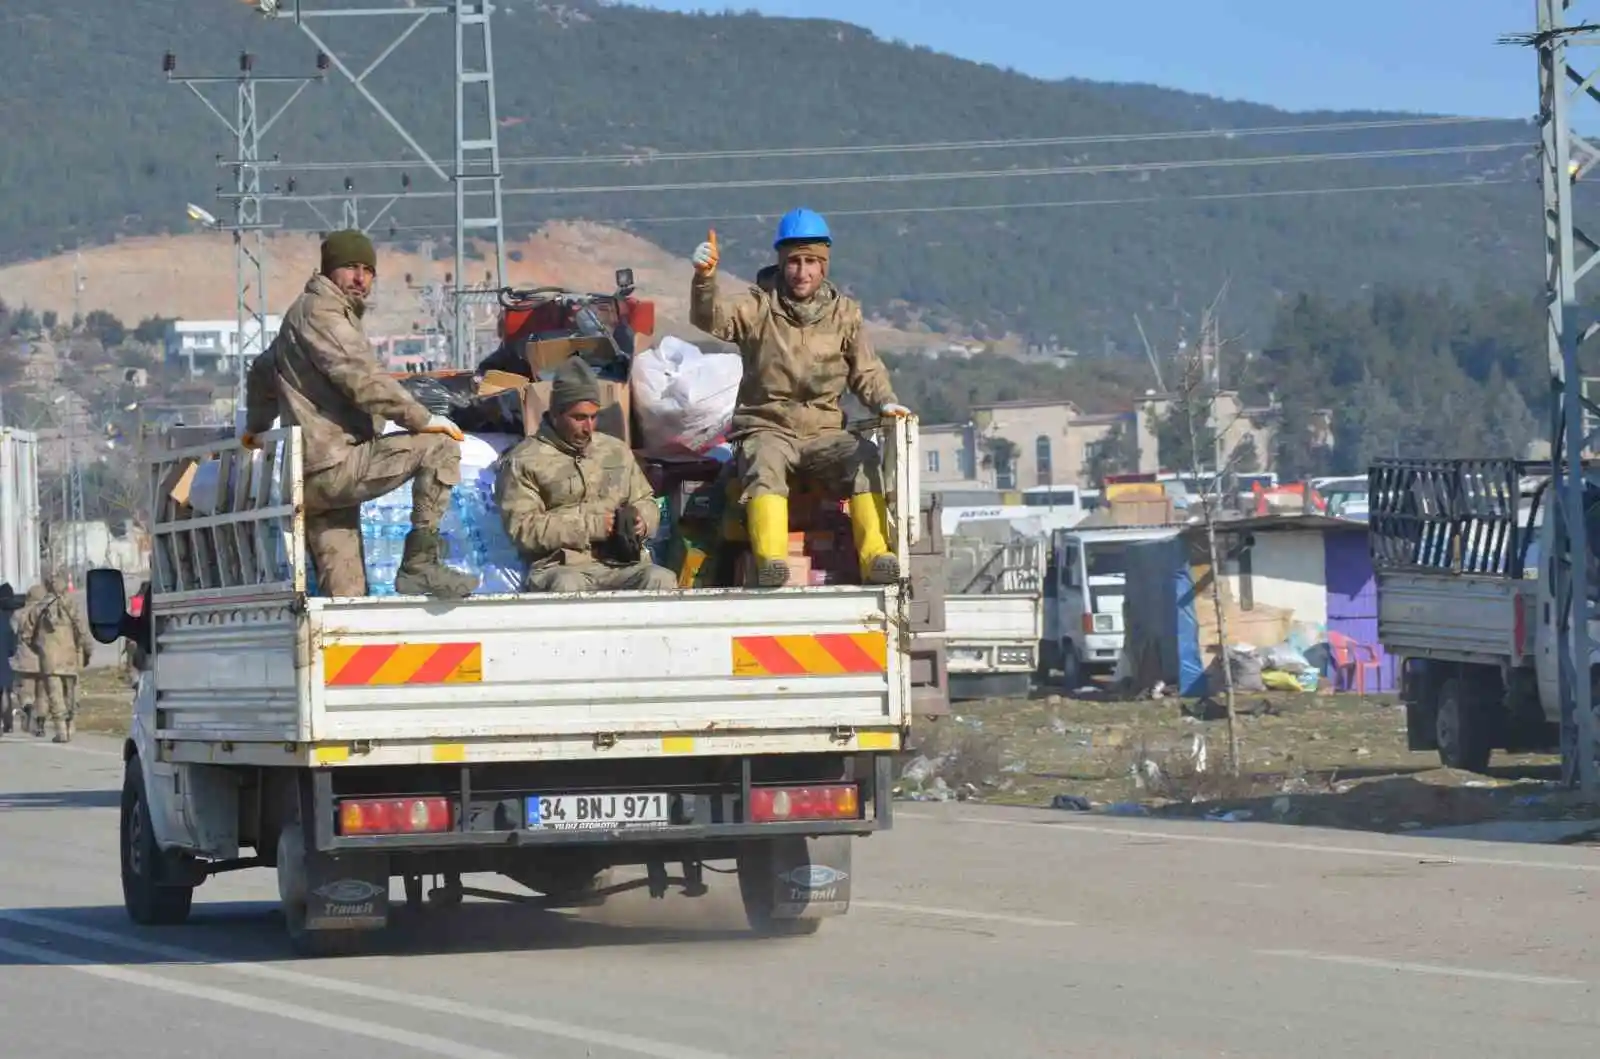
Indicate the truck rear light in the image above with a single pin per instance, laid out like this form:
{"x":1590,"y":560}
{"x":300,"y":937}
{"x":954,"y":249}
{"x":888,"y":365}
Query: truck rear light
{"x":832,"y":802}
{"x":394,"y":816}
{"x":1088,"y":623}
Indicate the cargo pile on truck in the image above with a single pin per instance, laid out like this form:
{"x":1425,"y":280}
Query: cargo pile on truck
{"x":548,"y":738}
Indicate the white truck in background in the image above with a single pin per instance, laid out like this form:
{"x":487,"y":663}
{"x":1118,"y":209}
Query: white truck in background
{"x":1461,"y":553}
{"x":20,"y":529}
{"x":546,"y":738}
{"x":993,"y":611}
{"x":1083,"y":595}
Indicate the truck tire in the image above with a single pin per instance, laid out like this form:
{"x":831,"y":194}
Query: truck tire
{"x":1462,"y":727}
{"x":1071,"y":668}
{"x":149,"y":900}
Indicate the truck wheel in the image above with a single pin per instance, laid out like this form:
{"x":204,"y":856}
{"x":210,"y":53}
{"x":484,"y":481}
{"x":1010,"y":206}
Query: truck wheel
{"x":1071,"y":668}
{"x":149,"y":901}
{"x":292,"y":899}
{"x":1461,"y":726}
{"x":768,"y":867}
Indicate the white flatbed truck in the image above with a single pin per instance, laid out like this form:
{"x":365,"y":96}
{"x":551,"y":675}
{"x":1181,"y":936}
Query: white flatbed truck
{"x":344,"y":742}
{"x":1461,"y":551}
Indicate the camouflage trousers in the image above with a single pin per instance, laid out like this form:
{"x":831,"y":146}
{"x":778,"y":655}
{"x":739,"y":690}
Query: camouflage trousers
{"x":598,"y":577}
{"x":58,"y":693}
{"x":835,"y":460}
{"x":334,"y":495}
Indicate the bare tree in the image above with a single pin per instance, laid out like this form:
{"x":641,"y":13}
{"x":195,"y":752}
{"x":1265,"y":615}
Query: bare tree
{"x":1199,"y":384}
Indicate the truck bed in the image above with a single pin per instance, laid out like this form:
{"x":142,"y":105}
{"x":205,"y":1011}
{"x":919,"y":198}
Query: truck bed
{"x":396,"y":680}
{"x":1008,"y":617}
{"x":1464,"y":617}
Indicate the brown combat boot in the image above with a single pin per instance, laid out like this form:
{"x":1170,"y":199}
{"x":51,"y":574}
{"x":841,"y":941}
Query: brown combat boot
{"x":423,"y":573}
{"x":67,"y":731}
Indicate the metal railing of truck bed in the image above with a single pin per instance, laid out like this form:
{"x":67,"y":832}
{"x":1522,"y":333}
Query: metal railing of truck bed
{"x":1448,"y":516}
{"x":250,"y":540}
{"x":246,"y":538}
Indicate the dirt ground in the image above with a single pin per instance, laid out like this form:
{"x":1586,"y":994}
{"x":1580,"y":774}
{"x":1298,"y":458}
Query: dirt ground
{"x":1313,"y":760}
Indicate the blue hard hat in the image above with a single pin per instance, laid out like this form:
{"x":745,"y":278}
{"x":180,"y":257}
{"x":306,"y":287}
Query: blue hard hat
{"x":802,"y":224}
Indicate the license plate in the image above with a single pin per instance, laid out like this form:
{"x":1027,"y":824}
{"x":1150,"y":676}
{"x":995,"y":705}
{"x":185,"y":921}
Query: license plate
{"x":590,"y":812}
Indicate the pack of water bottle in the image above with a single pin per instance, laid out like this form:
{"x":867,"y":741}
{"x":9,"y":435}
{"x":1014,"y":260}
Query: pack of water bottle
{"x":475,"y":539}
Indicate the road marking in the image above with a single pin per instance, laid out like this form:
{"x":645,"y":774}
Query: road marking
{"x":1428,"y":856}
{"x":1443,"y":970}
{"x":422,"y":1042}
{"x":959,"y":913}
{"x":622,"y":1042}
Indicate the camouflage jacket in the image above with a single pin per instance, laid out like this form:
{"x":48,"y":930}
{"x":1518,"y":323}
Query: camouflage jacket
{"x":554,"y":501}
{"x":25,"y":659}
{"x":320,"y":373}
{"x":794,"y":374}
{"x":59,"y":634}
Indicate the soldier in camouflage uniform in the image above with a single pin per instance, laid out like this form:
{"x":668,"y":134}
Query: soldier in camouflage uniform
{"x":804,"y":344}
{"x":59,"y":633}
{"x":561,"y":492}
{"x":25,"y":662}
{"x":321,"y":374}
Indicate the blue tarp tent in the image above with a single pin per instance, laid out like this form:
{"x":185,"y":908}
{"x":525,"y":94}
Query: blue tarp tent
{"x":1161,"y":633}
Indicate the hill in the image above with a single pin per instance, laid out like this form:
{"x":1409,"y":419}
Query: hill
{"x":97,"y":145}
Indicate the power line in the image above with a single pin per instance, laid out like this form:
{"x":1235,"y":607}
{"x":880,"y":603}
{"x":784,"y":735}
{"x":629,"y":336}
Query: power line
{"x":982,"y":207}
{"x":651,"y":157}
{"x":972,"y":174}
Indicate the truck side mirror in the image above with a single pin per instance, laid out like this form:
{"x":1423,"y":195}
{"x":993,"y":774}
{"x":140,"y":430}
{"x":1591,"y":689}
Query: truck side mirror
{"x":107,"y":600}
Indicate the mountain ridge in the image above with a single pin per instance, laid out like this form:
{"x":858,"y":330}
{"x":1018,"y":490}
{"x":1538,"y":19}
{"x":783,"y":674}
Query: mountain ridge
{"x":584,"y":78}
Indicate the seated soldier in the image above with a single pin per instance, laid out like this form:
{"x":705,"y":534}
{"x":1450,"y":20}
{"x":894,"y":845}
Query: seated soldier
{"x":576,"y":502}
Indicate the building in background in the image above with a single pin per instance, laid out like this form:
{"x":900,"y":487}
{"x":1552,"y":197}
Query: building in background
{"x":210,"y":347}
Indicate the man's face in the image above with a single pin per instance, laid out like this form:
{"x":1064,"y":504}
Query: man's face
{"x":802,"y":274}
{"x":357,"y":281}
{"x":576,"y":424}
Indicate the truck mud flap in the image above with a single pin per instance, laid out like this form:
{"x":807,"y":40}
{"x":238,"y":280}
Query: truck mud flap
{"x":809,"y":877}
{"x":347,"y":892}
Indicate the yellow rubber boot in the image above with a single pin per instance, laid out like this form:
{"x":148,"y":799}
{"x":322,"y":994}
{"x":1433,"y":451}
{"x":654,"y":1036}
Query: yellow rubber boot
{"x":767,"y":517}
{"x":869,"y":520}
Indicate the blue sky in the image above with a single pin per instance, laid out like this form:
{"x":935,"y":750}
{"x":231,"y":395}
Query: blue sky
{"x":1437,"y":56}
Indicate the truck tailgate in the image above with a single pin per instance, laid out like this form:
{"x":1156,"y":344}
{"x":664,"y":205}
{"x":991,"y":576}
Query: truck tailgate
{"x":992,"y":617}
{"x":709,"y":662}
{"x":1481,"y":618}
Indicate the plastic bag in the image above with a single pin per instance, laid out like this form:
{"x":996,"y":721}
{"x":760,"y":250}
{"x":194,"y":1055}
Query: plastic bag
{"x":1286,"y":657}
{"x":684,"y":398}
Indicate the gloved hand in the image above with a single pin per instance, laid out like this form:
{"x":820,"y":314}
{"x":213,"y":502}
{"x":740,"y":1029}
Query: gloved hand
{"x":249,"y":441}
{"x":706,"y":256}
{"x":896,"y":411}
{"x":438,"y":424}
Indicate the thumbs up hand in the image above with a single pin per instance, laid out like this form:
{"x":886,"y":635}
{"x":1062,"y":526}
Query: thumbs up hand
{"x":705,"y":255}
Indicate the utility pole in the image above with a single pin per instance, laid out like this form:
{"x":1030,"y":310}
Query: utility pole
{"x":475,"y":176}
{"x":248,"y":228}
{"x":1567,"y":98}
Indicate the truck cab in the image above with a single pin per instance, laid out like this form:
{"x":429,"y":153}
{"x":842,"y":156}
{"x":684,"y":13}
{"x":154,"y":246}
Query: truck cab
{"x":1083,"y":623}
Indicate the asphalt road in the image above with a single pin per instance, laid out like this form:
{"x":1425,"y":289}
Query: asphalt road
{"x":978,"y":932}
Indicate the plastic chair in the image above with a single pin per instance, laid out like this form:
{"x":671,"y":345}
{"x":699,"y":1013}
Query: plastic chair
{"x":1352,"y":660}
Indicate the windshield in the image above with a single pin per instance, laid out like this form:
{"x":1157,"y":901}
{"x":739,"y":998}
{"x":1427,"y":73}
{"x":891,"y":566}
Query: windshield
{"x":1107,"y":559}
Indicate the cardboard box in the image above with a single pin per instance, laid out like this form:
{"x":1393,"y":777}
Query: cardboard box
{"x":544,"y":354}
{"x":616,"y":407}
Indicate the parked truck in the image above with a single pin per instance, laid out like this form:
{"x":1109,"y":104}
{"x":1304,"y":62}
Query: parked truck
{"x":19,"y":509}
{"x":993,"y":610}
{"x":547,"y":738}
{"x":1460,"y":549}
{"x":1083,"y":596}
